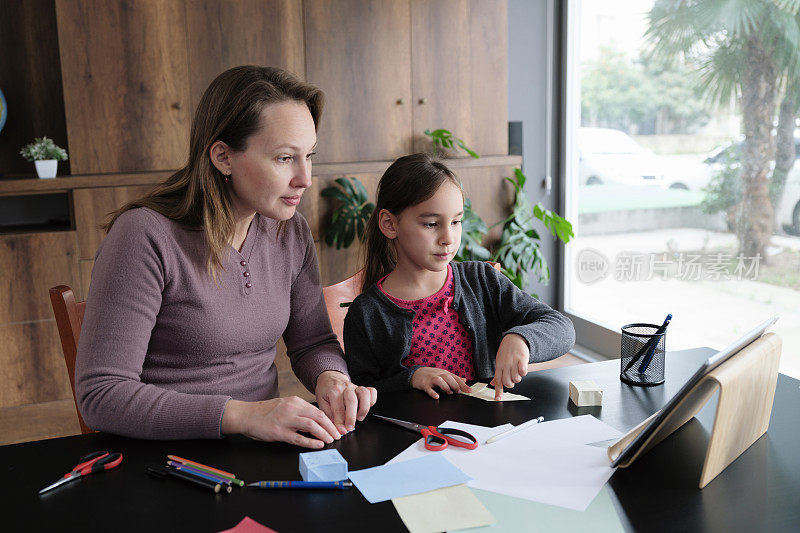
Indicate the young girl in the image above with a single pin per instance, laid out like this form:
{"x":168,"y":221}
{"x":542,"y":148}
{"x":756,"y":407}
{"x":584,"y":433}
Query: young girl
{"x":426,"y":322}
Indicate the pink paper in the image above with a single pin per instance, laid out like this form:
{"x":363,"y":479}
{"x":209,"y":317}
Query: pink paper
{"x":248,"y":525}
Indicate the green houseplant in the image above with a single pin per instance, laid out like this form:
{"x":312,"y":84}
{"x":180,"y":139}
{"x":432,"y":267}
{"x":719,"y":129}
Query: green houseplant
{"x":350,"y":217}
{"x":45,"y":155}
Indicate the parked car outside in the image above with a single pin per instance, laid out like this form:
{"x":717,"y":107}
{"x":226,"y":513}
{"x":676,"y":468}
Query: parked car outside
{"x":611,"y":156}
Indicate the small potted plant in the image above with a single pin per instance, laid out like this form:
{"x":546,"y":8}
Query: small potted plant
{"x":45,"y":155}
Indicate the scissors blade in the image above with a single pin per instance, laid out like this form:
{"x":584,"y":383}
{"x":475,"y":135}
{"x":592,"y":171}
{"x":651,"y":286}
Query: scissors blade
{"x":402,"y":423}
{"x":60,"y":482}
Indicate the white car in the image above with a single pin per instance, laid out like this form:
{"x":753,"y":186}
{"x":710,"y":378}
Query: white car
{"x":611,"y":156}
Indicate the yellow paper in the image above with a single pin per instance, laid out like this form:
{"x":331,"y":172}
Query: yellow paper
{"x":445,"y":509}
{"x":482,"y":391}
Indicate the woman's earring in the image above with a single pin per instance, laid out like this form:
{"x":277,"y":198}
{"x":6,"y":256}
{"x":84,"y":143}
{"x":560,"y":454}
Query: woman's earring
{"x":226,"y":178}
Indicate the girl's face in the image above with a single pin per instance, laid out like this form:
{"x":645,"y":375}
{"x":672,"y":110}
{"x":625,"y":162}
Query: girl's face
{"x":427,"y":235}
{"x":271,"y":174}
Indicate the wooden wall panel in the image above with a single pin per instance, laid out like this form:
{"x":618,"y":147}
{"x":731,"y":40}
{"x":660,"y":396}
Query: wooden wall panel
{"x":492,"y":197}
{"x":31,"y":82}
{"x":29,"y":265}
{"x":229,"y":33}
{"x":92,"y":207}
{"x":460,"y":71}
{"x":126,"y":84}
{"x":359,"y":54}
{"x":32,"y":367}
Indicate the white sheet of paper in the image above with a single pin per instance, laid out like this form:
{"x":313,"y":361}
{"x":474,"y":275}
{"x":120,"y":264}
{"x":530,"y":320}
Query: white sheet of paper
{"x":548,"y":462}
{"x":442,"y":510}
{"x":584,"y":429}
{"x":547,"y":471}
{"x":483,"y":392}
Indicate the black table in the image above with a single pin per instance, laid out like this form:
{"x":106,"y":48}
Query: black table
{"x":760,"y":491}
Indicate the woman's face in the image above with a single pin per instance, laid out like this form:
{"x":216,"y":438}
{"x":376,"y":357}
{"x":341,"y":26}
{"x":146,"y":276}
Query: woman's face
{"x":271,"y":174}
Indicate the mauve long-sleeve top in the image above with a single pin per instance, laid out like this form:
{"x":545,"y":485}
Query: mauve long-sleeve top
{"x":163,"y":347}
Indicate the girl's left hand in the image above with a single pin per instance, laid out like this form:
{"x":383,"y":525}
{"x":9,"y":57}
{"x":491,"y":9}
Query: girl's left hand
{"x":511,"y":364}
{"x":342,"y":400}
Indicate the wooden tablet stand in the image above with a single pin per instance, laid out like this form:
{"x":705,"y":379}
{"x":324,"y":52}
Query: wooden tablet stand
{"x":746,"y":384}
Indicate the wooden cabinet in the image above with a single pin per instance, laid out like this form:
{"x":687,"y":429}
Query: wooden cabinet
{"x":228,"y":33}
{"x":359,"y":53}
{"x":31,"y":365}
{"x":126,"y":84}
{"x":460,"y":72}
{"x":394,"y":68}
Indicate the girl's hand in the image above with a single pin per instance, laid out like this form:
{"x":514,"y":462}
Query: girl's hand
{"x":511,"y":364}
{"x":342,"y":400}
{"x":281,"y":419}
{"x":426,"y":378}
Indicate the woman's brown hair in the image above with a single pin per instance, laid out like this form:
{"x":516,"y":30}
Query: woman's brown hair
{"x":410,"y":180}
{"x":229,"y":111}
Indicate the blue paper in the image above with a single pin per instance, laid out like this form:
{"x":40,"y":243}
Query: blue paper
{"x":394,"y":480}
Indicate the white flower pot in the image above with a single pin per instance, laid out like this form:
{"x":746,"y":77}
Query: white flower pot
{"x":46,"y":168}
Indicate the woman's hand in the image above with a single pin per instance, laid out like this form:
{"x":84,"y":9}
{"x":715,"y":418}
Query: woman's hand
{"x":426,"y":378}
{"x":281,"y":419}
{"x":342,"y":400}
{"x":511,"y":364}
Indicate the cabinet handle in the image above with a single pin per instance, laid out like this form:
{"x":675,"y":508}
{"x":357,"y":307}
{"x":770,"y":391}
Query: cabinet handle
{"x":423,"y":101}
{"x":177,"y":105}
{"x":400,"y":101}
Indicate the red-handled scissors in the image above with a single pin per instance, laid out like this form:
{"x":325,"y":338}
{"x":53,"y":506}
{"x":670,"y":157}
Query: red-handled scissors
{"x":89,"y":464}
{"x":437,"y":438}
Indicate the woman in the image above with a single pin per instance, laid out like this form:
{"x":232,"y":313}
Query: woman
{"x":196,"y":282}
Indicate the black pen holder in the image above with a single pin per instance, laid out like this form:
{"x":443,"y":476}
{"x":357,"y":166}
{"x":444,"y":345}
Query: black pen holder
{"x":642,"y":355}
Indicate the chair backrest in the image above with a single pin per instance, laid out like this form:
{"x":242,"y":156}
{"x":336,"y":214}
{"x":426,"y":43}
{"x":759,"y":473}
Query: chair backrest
{"x":345,"y":292}
{"x":341,"y":293}
{"x":69,"y":317}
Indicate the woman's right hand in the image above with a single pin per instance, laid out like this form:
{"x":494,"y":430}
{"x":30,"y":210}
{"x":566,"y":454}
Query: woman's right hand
{"x":426,"y":378}
{"x":280,"y":419}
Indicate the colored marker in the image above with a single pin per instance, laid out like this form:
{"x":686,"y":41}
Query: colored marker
{"x":209,"y":469}
{"x":301,"y":484}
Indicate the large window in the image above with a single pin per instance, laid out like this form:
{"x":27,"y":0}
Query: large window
{"x":681,"y":178}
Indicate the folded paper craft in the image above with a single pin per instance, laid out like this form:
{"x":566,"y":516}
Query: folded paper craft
{"x":325,"y":465}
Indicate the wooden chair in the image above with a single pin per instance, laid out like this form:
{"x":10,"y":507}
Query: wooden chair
{"x":345,"y":292}
{"x":69,"y":317}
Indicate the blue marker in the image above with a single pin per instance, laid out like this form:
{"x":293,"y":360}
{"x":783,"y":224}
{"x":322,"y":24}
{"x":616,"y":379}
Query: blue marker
{"x":301,"y":484}
{"x":649,"y":356}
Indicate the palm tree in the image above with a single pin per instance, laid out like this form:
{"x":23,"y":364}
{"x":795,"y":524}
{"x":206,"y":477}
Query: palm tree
{"x":745,"y":49}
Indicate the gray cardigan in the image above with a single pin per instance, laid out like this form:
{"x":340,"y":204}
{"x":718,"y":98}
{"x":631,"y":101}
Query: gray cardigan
{"x":378,"y":332}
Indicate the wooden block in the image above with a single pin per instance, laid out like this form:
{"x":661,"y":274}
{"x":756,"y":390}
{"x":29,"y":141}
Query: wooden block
{"x":585,"y":393}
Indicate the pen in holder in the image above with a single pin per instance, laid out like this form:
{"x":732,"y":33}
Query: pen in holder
{"x":642,"y":354}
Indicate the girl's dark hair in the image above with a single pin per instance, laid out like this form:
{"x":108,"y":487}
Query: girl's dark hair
{"x":410,"y":180}
{"x":229,"y":111}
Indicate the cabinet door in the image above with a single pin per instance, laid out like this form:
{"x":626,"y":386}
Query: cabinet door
{"x":359,"y":53}
{"x":126,"y":83}
{"x":229,"y":33}
{"x":29,"y":265}
{"x":460,"y":71}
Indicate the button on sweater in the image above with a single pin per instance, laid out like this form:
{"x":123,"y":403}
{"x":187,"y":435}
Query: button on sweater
{"x":163,"y":347}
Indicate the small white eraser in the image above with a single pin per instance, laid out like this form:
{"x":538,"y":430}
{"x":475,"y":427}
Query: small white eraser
{"x":585,"y":393}
{"x":325,"y":465}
